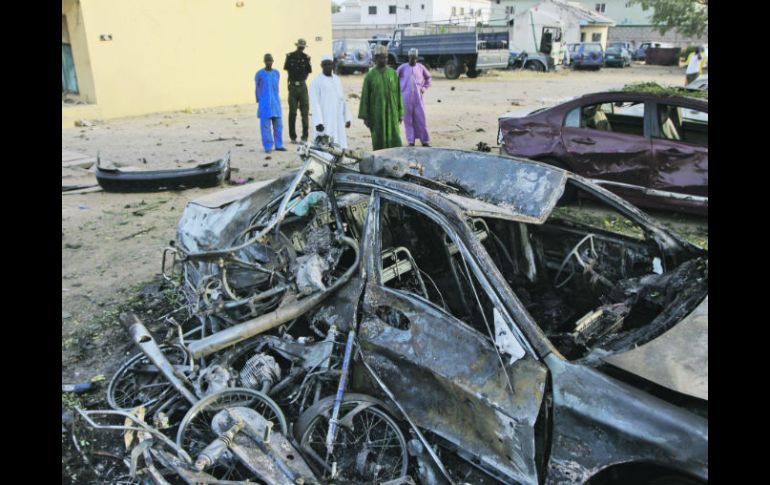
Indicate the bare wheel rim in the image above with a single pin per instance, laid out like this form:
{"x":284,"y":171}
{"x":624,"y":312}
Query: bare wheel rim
{"x":139,"y":383}
{"x":195,"y":431}
{"x":372,"y":450}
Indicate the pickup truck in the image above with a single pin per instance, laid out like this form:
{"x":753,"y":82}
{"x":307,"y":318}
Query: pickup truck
{"x":458,"y":53}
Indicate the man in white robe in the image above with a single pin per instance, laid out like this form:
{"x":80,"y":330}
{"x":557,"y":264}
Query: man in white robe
{"x":327,"y":104}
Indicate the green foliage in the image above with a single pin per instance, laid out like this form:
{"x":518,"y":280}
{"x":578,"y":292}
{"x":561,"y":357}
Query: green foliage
{"x":655,"y":88}
{"x":335,"y":8}
{"x":689,"y":17}
{"x":686,"y":52}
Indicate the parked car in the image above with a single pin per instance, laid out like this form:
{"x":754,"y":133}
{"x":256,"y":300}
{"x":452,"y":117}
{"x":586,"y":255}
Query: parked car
{"x":640,"y":53}
{"x":587,"y":55}
{"x":476,"y":329}
{"x":651,"y":149}
{"x":352,"y":55}
{"x":617,"y":56}
{"x":701,"y":83}
{"x":625,"y":45}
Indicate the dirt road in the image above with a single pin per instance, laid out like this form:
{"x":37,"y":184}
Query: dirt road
{"x":113,"y":242}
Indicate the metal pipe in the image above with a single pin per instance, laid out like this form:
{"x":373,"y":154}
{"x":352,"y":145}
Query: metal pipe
{"x":340,"y":390}
{"x":237,"y":333}
{"x":143,"y":339}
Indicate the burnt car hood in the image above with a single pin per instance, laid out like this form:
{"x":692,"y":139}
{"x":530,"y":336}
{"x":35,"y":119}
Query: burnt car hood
{"x":527,"y":190}
{"x":677,"y":359}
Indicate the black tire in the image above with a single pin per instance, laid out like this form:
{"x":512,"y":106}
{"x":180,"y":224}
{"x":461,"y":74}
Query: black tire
{"x":452,"y":69}
{"x":365,"y":70}
{"x":535,"y":66}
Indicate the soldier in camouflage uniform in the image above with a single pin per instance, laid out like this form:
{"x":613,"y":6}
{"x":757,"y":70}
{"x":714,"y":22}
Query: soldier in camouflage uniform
{"x":298,"y":65}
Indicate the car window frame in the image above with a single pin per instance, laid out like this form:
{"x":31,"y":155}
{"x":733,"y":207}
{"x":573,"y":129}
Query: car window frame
{"x":375,"y":268}
{"x":646,"y":121}
{"x":656,"y":133}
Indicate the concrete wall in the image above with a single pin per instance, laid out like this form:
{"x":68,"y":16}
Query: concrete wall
{"x":622,"y":14}
{"x":434,"y":11}
{"x":644,"y":33}
{"x":176,"y":54}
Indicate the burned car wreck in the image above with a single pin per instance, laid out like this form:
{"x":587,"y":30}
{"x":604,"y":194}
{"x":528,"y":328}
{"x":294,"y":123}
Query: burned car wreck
{"x":420,"y":316}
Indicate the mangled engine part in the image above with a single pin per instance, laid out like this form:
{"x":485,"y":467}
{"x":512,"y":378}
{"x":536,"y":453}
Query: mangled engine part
{"x":212,"y":379}
{"x":142,"y":338}
{"x":289,"y":309}
{"x":267,"y":453}
{"x":310,"y":274}
{"x":260,"y":372}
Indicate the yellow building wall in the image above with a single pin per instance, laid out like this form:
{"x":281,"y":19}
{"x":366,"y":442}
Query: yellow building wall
{"x":176,"y":54}
{"x":589,"y":30}
{"x":78,"y":39}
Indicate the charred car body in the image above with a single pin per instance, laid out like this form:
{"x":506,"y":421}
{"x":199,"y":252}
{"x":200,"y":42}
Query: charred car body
{"x":652,"y":150}
{"x":425,"y":315}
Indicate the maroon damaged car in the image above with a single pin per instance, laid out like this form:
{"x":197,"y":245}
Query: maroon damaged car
{"x":650,"y":149}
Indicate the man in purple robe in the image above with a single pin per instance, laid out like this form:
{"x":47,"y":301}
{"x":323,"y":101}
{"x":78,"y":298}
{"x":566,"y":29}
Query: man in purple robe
{"x":415,"y":80}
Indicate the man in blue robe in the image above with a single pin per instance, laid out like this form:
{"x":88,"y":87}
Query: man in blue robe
{"x":269,"y":106}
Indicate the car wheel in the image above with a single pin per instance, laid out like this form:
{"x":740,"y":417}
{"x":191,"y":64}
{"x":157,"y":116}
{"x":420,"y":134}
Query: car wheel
{"x":534,"y":66}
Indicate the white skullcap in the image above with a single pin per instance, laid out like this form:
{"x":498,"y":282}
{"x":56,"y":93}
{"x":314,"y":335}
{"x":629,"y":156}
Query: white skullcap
{"x":413,"y":52}
{"x":381,"y":49}
{"x":327,"y":57}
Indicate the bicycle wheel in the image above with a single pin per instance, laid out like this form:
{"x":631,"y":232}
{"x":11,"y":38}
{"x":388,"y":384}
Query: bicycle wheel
{"x":139,"y":383}
{"x":369,"y":447}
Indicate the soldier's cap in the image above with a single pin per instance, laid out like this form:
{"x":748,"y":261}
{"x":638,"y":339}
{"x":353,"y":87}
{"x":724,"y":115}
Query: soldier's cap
{"x":301,"y":43}
{"x":268,"y":57}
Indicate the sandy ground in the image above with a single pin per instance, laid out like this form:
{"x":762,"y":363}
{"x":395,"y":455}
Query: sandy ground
{"x":112,"y":243}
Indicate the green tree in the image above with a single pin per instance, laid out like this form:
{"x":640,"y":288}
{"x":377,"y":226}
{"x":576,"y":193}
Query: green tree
{"x":335,"y":8}
{"x":689,"y":17}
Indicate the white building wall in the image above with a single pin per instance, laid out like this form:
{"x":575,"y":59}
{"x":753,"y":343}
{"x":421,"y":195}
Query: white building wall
{"x":416,"y":11}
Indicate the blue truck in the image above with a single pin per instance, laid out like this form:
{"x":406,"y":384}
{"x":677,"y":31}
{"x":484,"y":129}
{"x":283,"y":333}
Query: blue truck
{"x":457,"y":53}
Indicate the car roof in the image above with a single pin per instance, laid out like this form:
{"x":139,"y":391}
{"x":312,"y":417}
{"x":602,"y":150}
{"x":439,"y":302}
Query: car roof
{"x":642,"y":96}
{"x":520,"y":189}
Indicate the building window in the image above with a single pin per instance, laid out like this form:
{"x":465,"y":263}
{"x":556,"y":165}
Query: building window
{"x":596,"y":37}
{"x":582,"y":37}
{"x":600,"y":7}
{"x":509,"y":10}
{"x":423,"y":6}
{"x":407,"y":6}
{"x":454,"y":11}
{"x":462,"y":11}
{"x":372,"y":10}
{"x":498,"y":2}
{"x":470,"y":12}
{"x":391,"y":9}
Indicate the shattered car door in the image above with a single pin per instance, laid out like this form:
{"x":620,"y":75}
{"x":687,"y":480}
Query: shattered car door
{"x":680,"y":150}
{"x":450,"y":380}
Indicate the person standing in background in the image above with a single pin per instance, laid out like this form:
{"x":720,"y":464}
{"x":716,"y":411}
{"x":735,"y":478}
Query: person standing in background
{"x":298,"y":66}
{"x":694,"y":66}
{"x":415,"y":80}
{"x":327,"y":103}
{"x":269,"y":106}
{"x":382,"y":107}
